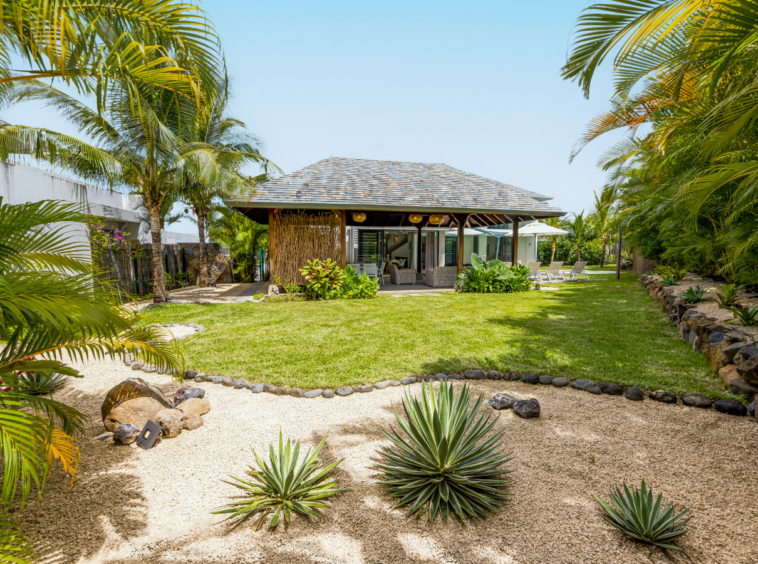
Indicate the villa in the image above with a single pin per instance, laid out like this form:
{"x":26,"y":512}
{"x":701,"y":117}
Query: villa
{"x":415,"y":221}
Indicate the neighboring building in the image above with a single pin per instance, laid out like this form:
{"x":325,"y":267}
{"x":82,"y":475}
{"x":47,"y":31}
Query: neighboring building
{"x":24,"y":184}
{"x":420,"y":216}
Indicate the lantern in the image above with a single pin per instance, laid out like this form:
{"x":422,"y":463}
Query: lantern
{"x":359,"y":217}
{"x":436,"y":219}
{"x":414,"y":218}
{"x":396,"y":239}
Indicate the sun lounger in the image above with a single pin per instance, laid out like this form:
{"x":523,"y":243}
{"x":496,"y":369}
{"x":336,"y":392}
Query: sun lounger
{"x":554,"y":271}
{"x":578,"y":270}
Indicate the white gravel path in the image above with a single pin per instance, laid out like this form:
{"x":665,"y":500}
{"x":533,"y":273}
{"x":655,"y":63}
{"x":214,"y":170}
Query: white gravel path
{"x":141,"y":507}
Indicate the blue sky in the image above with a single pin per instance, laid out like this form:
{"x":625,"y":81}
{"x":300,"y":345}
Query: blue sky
{"x":475,"y":85}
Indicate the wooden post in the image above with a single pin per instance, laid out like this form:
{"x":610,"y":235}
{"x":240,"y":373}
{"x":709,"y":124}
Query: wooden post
{"x":343,"y":235}
{"x":418,"y":250}
{"x":461,"y":225}
{"x":514,"y":257}
{"x":271,"y":245}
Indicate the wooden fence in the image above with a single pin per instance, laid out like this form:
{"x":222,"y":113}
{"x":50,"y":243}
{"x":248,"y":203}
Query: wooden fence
{"x":299,"y":238}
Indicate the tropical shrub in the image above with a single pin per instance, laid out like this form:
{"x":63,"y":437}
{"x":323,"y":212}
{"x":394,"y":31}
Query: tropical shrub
{"x":670,"y":272}
{"x":728,"y":295}
{"x":286,"y":485}
{"x":745,"y":315}
{"x":693,"y":295}
{"x":359,"y":287}
{"x":323,"y":279}
{"x":51,"y":309}
{"x":447,"y":464}
{"x":494,"y":276}
{"x":565,"y":251}
{"x":637,"y":515}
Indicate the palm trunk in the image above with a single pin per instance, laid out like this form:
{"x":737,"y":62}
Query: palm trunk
{"x":552,"y":254}
{"x":578,"y":253}
{"x":159,"y":282}
{"x":202,"y":274}
{"x":604,"y":240}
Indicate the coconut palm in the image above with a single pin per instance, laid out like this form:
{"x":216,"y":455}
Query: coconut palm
{"x":579,"y":228}
{"x":52,"y":311}
{"x":602,"y":217}
{"x":552,"y":222}
{"x":242,"y":236}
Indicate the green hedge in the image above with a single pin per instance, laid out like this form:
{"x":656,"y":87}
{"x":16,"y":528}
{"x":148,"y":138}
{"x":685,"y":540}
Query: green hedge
{"x":565,"y":251}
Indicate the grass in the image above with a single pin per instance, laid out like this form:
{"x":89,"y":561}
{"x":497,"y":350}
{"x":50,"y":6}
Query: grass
{"x":608,"y":331}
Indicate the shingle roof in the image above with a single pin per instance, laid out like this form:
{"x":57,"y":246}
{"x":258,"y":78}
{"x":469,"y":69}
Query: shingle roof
{"x":367,"y":184}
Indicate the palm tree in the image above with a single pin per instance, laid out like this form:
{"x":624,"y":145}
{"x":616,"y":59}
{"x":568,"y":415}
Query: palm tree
{"x":552,"y":222}
{"x":578,"y":228}
{"x":242,"y":236}
{"x":52,"y":310}
{"x":233,"y":147}
{"x":602,"y":215}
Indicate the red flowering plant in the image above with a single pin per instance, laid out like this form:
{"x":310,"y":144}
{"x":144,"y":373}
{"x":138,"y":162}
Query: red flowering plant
{"x":324,"y":280}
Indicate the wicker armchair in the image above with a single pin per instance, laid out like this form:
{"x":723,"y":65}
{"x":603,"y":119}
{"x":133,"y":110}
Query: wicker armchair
{"x":441,"y":277}
{"x":401,"y":275}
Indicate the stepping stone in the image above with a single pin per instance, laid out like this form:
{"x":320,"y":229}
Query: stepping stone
{"x":546,"y":380}
{"x":560,"y":382}
{"x":530,"y":378}
{"x":663,"y":396}
{"x":344,"y":391}
{"x":313,"y":393}
{"x":634,"y":393}
{"x":611,"y":389}
{"x":730,"y":407}
{"x":697,"y":400}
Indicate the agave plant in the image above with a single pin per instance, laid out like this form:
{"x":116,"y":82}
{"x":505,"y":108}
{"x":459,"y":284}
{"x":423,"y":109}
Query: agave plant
{"x":446,"y":464}
{"x":283,"y":487}
{"x":745,"y":315}
{"x":669,"y":281}
{"x":39,"y":383}
{"x":728,"y":295}
{"x":693,"y":295}
{"x":637,"y":515}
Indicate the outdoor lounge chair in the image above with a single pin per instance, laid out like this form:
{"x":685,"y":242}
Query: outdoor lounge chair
{"x":534,"y":270}
{"x":554,"y":271}
{"x":401,"y":275}
{"x":578,"y":270}
{"x":441,"y":276}
{"x":358,"y":268}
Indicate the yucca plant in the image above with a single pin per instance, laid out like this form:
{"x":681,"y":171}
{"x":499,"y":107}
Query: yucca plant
{"x":40,"y":383}
{"x":284,"y":486}
{"x":447,"y":464}
{"x":745,"y":315}
{"x":728,"y":295}
{"x":693,"y":295}
{"x":636,"y":514}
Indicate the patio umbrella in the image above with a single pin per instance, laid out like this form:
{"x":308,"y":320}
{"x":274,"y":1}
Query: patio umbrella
{"x":538,"y":228}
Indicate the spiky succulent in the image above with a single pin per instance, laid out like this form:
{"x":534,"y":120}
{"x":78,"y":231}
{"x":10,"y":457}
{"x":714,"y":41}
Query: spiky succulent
{"x":693,"y":295}
{"x":284,"y":487}
{"x":446,"y":464}
{"x":637,"y":515}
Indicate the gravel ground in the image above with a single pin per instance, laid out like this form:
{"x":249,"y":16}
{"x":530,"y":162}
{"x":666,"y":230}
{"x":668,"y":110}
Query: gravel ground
{"x":132,"y":506}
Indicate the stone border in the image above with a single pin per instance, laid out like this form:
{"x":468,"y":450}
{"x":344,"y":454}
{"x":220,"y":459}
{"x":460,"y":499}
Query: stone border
{"x":132,"y":362}
{"x":731,"y":407}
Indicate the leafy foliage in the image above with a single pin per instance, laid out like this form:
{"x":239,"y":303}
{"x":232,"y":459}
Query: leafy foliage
{"x":745,"y":315}
{"x":636,"y":514}
{"x":283,"y":486}
{"x":359,"y":287}
{"x":669,"y":272}
{"x":242,"y":236}
{"x":669,"y":281}
{"x":447,"y":464}
{"x":494,"y":276}
{"x":40,"y":383}
{"x":693,"y":295}
{"x":728,"y":295}
{"x":324,"y":280}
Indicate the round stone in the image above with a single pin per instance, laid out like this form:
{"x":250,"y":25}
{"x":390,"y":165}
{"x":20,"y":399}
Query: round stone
{"x":730,"y":407}
{"x":663,"y":396}
{"x":269,"y":388}
{"x":697,"y":400}
{"x":494,"y":375}
{"x":257,"y":389}
{"x":611,"y":389}
{"x":327,"y":394}
{"x":281,"y":391}
{"x":560,"y":382}
{"x":240,"y":383}
{"x":313,"y":393}
{"x":475,"y":374}
{"x":227,"y":381}
{"x":546,"y":380}
{"x":634,"y":393}
{"x":409,"y":380}
{"x":190,"y":374}
{"x":344,"y":391}
{"x":296,"y":392}
{"x":530,"y":378}
{"x":382,"y":385}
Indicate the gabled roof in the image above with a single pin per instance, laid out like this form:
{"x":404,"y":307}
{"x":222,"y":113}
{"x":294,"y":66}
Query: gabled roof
{"x":360,"y":184}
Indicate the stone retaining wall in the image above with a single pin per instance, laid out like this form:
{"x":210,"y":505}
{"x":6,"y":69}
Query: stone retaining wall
{"x":731,"y":352}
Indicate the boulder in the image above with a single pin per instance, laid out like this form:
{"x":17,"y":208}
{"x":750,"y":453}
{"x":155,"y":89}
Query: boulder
{"x":327,"y":394}
{"x":132,"y":401}
{"x":183,"y":394}
{"x":611,"y":389}
{"x":344,"y":391}
{"x":227,"y":381}
{"x":313,"y":393}
{"x":634,"y":393}
{"x":697,"y":400}
{"x":560,"y":382}
{"x":739,"y":387}
{"x":663,"y":396}
{"x":746,"y":361}
{"x":546,"y":380}
{"x":192,"y":423}
{"x":494,"y":375}
{"x":728,"y":353}
{"x":296,"y":392}
{"x":502,"y":401}
{"x":530,"y":378}
{"x":194,"y":406}
{"x":126,"y":434}
{"x":729,"y":373}
{"x":475,"y":374}
{"x":730,"y":407}
{"x":527,"y":408}
{"x":170,"y":421}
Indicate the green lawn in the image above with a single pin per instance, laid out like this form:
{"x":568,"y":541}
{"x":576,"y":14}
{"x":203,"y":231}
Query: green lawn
{"x":608,"y":331}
